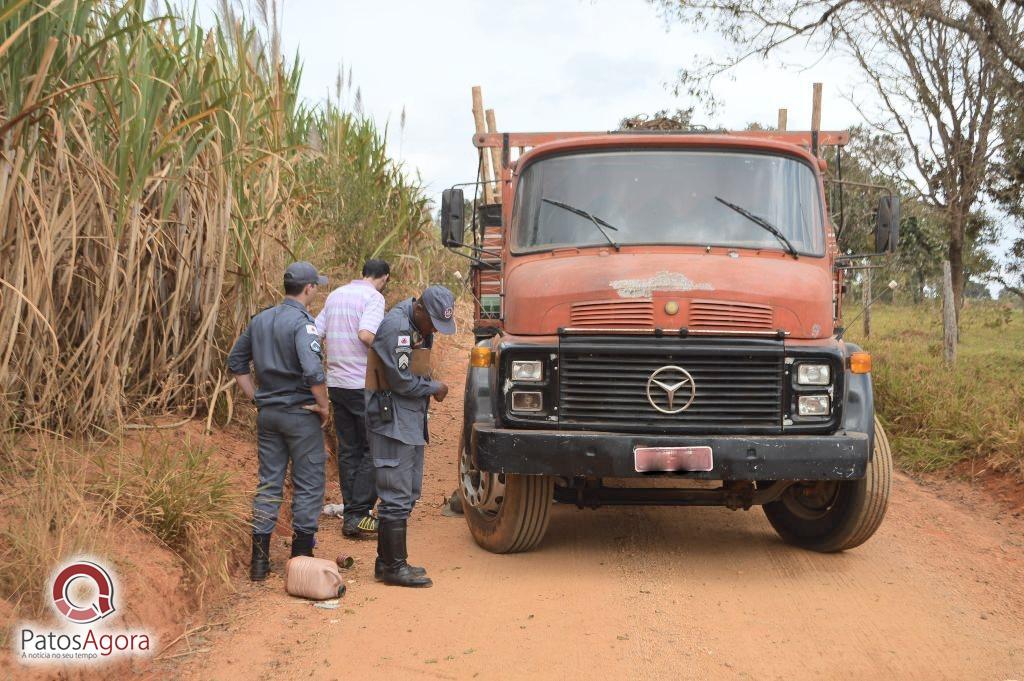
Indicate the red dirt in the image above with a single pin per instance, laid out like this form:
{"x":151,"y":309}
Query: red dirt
{"x":650,"y":593}
{"x":617,"y":592}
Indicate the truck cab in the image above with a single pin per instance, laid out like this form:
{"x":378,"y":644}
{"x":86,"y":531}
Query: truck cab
{"x":664,"y":306}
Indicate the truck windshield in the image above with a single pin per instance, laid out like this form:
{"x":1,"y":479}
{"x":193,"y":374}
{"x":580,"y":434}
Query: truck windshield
{"x":669,"y":197}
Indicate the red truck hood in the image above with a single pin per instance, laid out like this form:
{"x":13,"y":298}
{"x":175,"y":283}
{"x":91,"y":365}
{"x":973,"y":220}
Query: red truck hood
{"x":599,"y":288}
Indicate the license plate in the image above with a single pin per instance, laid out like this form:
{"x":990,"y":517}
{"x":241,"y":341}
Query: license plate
{"x":672,"y":459}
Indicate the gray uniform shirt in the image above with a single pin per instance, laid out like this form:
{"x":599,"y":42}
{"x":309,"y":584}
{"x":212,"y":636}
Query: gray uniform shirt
{"x":394,"y":342}
{"x":283,"y":344}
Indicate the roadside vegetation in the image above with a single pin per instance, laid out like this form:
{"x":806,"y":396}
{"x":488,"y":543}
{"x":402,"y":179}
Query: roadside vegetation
{"x":939,"y":416}
{"x":116,"y":499}
{"x":156,"y":175}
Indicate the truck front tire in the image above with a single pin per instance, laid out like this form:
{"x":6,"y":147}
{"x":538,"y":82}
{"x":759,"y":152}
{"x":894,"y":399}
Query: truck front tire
{"x":834,"y":516}
{"x":513,"y":520}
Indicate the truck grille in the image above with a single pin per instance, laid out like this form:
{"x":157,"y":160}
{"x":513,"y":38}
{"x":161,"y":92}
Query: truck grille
{"x":603,"y":384}
{"x":724,"y":315}
{"x":612,"y":314}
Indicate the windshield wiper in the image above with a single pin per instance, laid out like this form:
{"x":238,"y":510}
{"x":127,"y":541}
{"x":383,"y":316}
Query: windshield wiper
{"x":598,"y":222}
{"x":761,"y":222}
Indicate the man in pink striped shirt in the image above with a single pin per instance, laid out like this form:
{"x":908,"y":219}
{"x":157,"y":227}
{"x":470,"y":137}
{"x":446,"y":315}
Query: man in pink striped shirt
{"x":348,"y":323}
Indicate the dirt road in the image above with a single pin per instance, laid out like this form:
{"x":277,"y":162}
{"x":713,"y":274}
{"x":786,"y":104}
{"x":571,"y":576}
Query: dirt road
{"x":650,"y":593}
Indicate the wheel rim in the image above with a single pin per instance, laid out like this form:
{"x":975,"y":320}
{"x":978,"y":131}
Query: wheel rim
{"x":483,"y":491}
{"x":811,"y":500}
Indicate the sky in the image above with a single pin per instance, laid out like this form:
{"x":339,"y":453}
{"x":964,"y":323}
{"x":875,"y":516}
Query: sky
{"x":543,"y":65}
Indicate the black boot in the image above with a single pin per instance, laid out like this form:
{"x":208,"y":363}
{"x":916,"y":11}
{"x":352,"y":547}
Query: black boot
{"x":392,"y":554}
{"x":378,"y":565}
{"x":259,"y":567}
{"x":302,"y":544}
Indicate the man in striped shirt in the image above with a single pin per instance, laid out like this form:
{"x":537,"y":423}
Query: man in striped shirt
{"x":349,"y":323}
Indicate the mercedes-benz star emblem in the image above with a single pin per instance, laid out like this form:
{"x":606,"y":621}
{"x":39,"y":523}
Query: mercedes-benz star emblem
{"x":677,"y":383}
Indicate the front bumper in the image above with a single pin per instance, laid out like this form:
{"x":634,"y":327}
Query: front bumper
{"x":842,"y":456}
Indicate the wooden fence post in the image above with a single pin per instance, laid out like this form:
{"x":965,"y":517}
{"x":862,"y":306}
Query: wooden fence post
{"x":866,"y":301}
{"x":949,"y":330}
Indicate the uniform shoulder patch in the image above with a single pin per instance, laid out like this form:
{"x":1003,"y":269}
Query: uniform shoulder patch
{"x":315,"y":347}
{"x":311,"y":329}
{"x":404,"y":341}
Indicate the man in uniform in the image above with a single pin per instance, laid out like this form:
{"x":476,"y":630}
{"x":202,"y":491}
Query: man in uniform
{"x":396,"y":421}
{"x":283,"y":344}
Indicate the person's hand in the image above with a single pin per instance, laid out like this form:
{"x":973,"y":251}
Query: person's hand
{"x":323,"y":412}
{"x":441,"y":393}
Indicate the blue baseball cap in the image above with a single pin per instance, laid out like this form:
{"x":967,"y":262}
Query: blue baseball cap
{"x":440,"y":305}
{"x":303,"y":273}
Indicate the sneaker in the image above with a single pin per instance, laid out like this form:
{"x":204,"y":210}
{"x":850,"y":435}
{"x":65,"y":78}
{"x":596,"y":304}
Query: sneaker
{"x":351,"y":529}
{"x":369,"y":524}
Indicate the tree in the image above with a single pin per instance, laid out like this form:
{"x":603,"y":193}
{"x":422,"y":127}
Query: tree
{"x":942,"y":71}
{"x":682,"y":119}
{"x":1011,"y":275}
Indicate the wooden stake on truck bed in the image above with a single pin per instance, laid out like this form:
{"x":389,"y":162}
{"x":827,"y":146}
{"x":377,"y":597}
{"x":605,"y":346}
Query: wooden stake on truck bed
{"x":496,"y":166}
{"x":783,"y":115}
{"x":485,"y":162}
{"x":815,"y":117}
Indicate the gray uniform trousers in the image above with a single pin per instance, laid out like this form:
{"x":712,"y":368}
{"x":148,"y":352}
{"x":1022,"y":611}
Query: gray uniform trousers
{"x":399,"y":476}
{"x":283,"y":436}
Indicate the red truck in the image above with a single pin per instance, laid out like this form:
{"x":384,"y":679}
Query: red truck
{"x":664,"y":305}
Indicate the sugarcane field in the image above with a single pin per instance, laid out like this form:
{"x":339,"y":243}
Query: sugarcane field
{"x":639,"y":339}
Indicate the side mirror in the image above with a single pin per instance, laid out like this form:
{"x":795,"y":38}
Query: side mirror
{"x":887,"y":229}
{"x":453,"y":217}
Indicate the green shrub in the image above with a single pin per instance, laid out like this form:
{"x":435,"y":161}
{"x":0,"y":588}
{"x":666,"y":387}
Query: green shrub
{"x":938,"y":416}
{"x":173,"y":491}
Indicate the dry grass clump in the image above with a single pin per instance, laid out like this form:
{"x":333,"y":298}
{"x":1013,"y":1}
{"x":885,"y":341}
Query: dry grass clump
{"x":937,"y":417}
{"x":61,"y":501}
{"x":44,"y":518}
{"x":177,"y":495}
{"x":155,"y":176}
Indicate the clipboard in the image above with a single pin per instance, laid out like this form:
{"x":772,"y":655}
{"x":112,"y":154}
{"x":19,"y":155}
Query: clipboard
{"x":377,"y":380}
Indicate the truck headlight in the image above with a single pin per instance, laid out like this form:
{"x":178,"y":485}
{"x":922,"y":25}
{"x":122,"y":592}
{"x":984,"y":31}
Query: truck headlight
{"x":532,"y":370}
{"x":527,"y":400}
{"x":813,"y":405}
{"x":813,"y":374}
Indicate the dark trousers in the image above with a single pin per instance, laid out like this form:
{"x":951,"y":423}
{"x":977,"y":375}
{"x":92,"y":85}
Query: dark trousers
{"x":283,"y":436}
{"x":400,"y":479}
{"x":355,"y":467}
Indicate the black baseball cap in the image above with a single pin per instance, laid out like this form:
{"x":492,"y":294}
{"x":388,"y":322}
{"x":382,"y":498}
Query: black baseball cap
{"x":303,"y":273}
{"x":440,"y":305}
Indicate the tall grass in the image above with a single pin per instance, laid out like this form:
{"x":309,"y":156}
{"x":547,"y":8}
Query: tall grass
{"x":65,"y":500}
{"x":155,"y":176}
{"x":937,"y":416}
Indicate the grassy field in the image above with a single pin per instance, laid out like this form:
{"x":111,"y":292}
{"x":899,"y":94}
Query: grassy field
{"x":938,"y":416}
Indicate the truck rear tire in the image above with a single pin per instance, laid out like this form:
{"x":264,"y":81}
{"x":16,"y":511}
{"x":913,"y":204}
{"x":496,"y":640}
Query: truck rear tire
{"x":832,"y":516}
{"x":512,"y":516}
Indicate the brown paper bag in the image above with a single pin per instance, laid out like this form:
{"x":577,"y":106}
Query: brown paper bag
{"x":376,"y":379}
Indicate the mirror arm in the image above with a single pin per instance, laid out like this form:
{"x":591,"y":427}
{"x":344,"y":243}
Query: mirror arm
{"x":478,"y":261}
{"x":861,"y":255}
